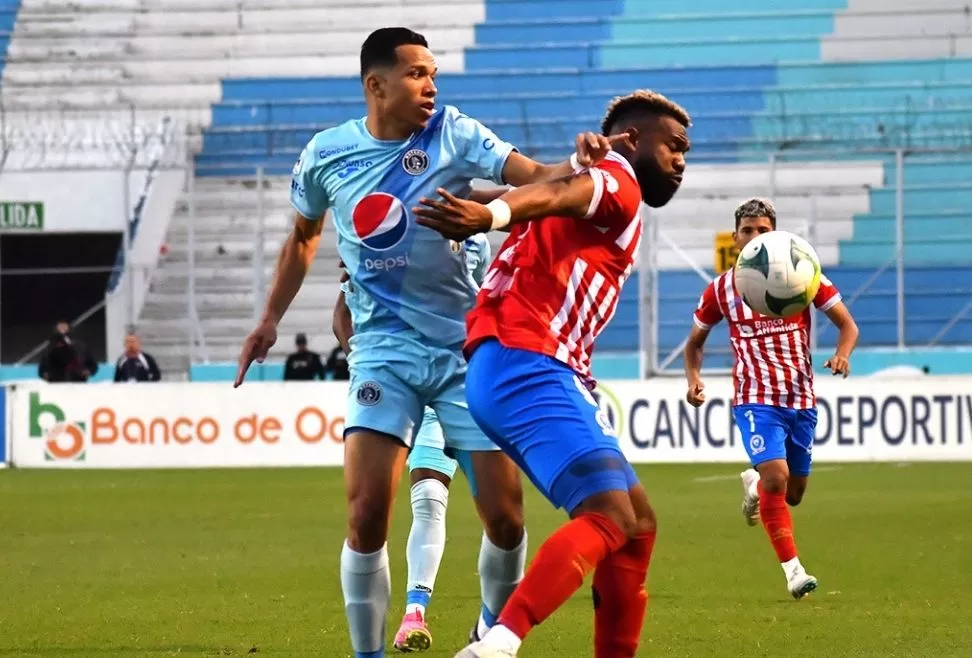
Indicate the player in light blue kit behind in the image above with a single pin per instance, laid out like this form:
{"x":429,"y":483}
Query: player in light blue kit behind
{"x":411,"y":295}
{"x":431,"y":472}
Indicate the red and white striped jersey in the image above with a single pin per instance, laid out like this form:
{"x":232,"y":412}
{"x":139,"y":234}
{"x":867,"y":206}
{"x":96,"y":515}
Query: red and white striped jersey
{"x":555,"y":284}
{"x":772,"y":355}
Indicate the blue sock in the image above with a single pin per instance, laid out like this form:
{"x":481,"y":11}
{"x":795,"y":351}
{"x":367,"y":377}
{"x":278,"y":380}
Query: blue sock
{"x":370,"y":654}
{"x":417,"y":597}
{"x":488,"y":616}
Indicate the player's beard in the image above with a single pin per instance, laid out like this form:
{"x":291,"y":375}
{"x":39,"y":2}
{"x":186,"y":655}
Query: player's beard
{"x":657,"y":187}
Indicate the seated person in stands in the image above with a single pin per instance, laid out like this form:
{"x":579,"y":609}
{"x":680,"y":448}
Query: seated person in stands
{"x":134,"y":365}
{"x":304,"y":365}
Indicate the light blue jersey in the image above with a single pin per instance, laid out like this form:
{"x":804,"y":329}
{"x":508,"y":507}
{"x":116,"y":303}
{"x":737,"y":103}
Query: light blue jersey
{"x":428,"y":452}
{"x":407,"y":278}
{"x":410,"y":288}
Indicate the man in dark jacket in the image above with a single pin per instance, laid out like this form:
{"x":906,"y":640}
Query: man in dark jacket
{"x":337,"y":365}
{"x":135,"y":365}
{"x":66,"y":359}
{"x":303,"y":365}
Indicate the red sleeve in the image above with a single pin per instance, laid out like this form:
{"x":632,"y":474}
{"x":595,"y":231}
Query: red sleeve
{"x":617,"y":197}
{"x":827,"y":295}
{"x":708,"y":314}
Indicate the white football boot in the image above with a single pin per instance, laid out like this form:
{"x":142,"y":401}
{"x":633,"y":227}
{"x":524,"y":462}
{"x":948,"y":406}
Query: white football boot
{"x":750,"y":505}
{"x":481,"y":650}
{"x":798,"y":581}
{"x":499,"y":642}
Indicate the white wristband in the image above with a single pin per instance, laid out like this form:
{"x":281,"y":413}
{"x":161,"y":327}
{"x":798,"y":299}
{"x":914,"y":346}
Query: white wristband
{"x":573,"y":161}
{"x":500,"y":210}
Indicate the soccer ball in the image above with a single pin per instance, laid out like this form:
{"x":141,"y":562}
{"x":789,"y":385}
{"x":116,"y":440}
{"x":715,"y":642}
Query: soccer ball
{"x":778,"y":274}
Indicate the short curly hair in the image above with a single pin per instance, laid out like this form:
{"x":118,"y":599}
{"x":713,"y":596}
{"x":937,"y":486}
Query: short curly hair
{"x":756,"y":207}
{"x":642,"y":100}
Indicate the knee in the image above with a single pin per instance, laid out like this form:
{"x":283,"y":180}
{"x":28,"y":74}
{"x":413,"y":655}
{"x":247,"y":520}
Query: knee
{"x":429,"y":498}
{"x":646,"y":522}
{"x":504,"y":526}
{"x":623,"y":516}
{"x":794,"y":495}
{"x":774,"y":479}
{"x":367,"y":523}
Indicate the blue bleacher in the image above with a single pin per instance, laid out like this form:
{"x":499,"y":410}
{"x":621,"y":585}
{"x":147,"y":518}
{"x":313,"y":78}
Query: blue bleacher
{"x":8,"y":16}
{"x":750,"y":74}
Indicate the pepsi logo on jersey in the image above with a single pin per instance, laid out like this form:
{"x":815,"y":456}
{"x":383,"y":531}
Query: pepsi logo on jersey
{"x":372,"y":264}
{"x":380,"y":221}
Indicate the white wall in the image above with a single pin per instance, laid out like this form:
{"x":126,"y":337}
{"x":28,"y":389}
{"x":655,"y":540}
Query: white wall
{"x":74,"y":202}
{"x":302,"y":424}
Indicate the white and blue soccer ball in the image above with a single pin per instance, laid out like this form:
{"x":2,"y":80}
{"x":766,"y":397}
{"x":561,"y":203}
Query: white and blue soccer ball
{"x":778,"y":274}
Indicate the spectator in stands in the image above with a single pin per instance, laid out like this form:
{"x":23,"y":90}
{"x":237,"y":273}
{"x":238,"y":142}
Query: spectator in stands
{"x":337,"y":365}
{"x":66,"y":359}
{"x":304,"y":365}
{"x":134,"y":365}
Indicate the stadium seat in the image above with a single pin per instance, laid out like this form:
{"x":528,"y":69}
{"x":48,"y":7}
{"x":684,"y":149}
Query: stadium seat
{"x":814,"y":94}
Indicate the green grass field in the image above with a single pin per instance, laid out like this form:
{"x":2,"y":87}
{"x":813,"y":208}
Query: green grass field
{"x":226,"y":563}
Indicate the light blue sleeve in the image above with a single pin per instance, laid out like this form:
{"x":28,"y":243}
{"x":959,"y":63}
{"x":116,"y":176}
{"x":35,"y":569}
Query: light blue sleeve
{"x":482,"y":149}
{"x":482,"y":260}
{"x":307,"y":193}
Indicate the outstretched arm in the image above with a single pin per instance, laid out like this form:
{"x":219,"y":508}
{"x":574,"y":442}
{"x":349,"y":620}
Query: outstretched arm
{"x":840,"y":315}
{"x":568,"y":196}
{"x":457,"y":219}
{"x":590,"y":147}
{"x":694,"y":345}
{"x":293,"y":264}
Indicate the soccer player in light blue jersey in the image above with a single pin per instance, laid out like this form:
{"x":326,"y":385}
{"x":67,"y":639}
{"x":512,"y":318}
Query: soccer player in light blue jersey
{"x":411,"y":294}
{"x":431,"y":472}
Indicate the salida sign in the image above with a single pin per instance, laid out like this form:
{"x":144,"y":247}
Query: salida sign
{"x":21,"y":216}
{"x":118,"y":426}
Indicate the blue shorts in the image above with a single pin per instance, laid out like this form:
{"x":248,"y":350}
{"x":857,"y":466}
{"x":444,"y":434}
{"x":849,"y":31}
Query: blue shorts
{"x":395,"y":376}
{"x":777,"y":433}
{"x":429,"y":449}
{"x":538,"y":411}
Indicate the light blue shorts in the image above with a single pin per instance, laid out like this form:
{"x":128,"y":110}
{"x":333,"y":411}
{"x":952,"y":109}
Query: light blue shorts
{"x":429,"y":449}
{"x":395,"y":377}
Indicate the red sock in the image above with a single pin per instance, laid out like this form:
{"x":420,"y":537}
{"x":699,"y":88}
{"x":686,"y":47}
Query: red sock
{"x":620,"y":599}
{"x":558,"y":570}
{"x":775,"y":516}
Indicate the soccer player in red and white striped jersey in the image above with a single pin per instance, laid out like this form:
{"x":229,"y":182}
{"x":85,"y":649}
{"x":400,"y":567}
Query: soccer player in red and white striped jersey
{"x":774,"y":404}
{"x":551,"y":291}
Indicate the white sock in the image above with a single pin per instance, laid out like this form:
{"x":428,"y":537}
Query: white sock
{"x":499,"y":573}
{"x":790,"y":566}
{"x":426,"y":542}
{"x":366,"y":583}
{"x":500,"y":637}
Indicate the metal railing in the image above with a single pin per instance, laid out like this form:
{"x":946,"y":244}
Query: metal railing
{"x":259,"y":210}
{"x":896,"y":166}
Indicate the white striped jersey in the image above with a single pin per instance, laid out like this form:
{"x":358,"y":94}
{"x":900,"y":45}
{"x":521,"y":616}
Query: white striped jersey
{"x":555,"y":284}
{"x":773,"y":365}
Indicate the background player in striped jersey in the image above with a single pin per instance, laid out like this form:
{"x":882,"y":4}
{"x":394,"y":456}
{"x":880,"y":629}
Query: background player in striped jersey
{"x":546,"y":297}
{"x":774,"y":404}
